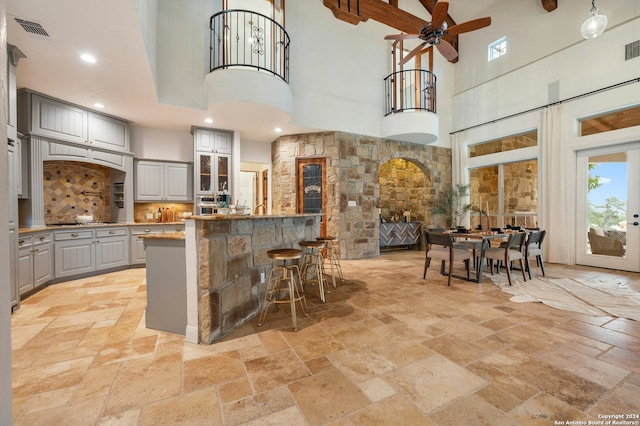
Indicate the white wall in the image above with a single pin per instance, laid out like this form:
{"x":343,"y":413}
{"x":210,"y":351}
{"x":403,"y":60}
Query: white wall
{"x":157,"y":144}
{"x":578,"y":69}
{"x":336,"y":69}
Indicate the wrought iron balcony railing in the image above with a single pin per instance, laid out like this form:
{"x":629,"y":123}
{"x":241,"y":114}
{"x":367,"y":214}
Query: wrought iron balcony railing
{"x":242,"y":38}
{"x":410,"y":90}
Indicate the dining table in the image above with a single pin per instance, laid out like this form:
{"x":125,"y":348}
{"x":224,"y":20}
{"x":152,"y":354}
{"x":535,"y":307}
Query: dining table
{"x":483,"y":238}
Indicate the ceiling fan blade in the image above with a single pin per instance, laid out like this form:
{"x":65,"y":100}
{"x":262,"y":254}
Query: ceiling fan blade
{"x":413,"y":53}
{"x":447,"y":50}
{"x":401,"y":36}
{"x":439,"y":14}
{"x":465,"y":27}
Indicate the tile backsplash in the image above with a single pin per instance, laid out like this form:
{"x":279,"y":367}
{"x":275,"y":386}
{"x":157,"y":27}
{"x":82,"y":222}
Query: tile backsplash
{"x":72,"y":188}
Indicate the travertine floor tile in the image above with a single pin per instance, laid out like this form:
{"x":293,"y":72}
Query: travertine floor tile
{"x":387,"y":348}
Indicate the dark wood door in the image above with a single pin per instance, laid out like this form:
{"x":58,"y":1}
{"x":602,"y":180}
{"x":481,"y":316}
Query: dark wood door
{"x":312,"y":180}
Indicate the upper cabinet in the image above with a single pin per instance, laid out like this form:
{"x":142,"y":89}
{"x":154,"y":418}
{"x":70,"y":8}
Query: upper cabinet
{"x":163,"y":181}
{"x":54,"y":119}
{"x":215,"y":141}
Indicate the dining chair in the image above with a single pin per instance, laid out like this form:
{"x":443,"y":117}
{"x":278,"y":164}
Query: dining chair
{"x":511,"y":251}
{"x":441,"y":246}
{"x":533,"y":247}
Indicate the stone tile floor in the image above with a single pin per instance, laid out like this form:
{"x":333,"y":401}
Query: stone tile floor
{"x":388,"y":348}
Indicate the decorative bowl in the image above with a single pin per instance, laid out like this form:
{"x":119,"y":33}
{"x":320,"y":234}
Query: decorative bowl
{"x":84,"y":218}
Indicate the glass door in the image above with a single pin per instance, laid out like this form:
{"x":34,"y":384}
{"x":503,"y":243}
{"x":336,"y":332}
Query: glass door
{"x":608,"y":207}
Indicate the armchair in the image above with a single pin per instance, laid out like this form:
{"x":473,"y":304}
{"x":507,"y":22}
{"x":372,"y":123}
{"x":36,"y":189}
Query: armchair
{"x":602,"y":244}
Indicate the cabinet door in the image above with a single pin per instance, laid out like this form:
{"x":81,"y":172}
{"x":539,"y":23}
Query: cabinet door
{"x":205,"y":140}
{"x":177,"y":182}
{"x":204,"y":173}
{"x":74,"y":257}
{"x":109,"y":133}
{"x":58,"y":120}
{"x":223,"y":142}
{"x":13,"y":270}
{"x":136,"y":246}
{"x":11,"y":174}
{"x":25,"y":270}
{"x":42,"y":264}
{"x":223,"y":164}
{"x":112,"y":252}
{"x":149,"y":181}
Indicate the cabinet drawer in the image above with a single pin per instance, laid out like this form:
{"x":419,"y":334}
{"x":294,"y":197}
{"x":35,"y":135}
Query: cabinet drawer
{"x":143,"y":230}
{"x":77,"y":234}
{"x":111,"y":232}
{"x":41,"y":238}
{"x":25,"y":241}
{"x":174,"y":228}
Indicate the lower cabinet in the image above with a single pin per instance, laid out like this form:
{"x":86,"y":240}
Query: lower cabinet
{"x":138,"y":255}
{"x":35,"y":261}
{"x":89,"y":250}
{"x":136,"y":245}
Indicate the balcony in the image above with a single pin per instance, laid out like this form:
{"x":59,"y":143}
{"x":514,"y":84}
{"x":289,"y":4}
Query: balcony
{"x":410,"y":107}
{"x":249,"y":66}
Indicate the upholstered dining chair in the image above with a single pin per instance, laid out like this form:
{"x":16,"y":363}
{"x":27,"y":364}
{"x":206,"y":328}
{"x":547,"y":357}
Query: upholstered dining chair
{"x":533,"y":247}
{"x":441,"y":246}
{"x":511,"y":251}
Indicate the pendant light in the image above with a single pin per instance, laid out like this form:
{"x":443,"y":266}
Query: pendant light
{"x":595,"y":24}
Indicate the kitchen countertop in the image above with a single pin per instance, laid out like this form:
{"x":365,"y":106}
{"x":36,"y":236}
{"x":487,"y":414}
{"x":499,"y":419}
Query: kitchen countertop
{"x":26,"y":231}
{"x":164,"y":236}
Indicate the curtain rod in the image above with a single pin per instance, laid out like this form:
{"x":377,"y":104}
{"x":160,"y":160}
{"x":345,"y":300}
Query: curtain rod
{"x":573,"y":98}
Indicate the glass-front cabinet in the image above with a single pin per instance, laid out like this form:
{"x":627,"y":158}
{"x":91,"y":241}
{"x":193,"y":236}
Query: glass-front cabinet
{"x":213,"y":151}
{"x":212,"y":173}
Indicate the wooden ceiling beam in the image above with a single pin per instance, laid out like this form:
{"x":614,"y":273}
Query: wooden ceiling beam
{"x":355,"y":11}
{"x":550,"y":5}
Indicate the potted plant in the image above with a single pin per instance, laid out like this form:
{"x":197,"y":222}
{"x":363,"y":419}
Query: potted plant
{"x":452,"y":205}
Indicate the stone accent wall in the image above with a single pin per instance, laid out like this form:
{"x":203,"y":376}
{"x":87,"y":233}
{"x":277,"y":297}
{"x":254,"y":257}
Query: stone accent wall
{"x":232,"y":253}
{"x":353,"y":175}
{"x":72,"y":188}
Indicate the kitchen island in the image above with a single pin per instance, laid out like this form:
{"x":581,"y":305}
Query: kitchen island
{"x":166,"y":282}
{"x":227,"y":262}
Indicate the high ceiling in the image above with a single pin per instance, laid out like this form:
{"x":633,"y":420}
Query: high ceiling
{"x":121,"y":80}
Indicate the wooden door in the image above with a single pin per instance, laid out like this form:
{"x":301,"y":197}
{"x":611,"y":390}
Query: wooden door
{"x":312,"y":181}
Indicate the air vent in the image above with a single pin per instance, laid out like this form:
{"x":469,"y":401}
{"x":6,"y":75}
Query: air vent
{"x":32,"y":27}
{"x":632,"y":50}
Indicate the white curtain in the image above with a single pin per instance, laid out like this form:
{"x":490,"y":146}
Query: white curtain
{"x":556,"y":204}
{"x":459,"y":156}
{"x":459,"y":163}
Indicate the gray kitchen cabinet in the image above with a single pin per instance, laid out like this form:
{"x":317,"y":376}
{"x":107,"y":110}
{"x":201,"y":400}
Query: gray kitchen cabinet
{"x":109,"y":133}
{"x":162,"y":181}
{"x":112,"y":248}
{"x":212,"y":173}
{"x":59,"y":120}
{"x":81,"y":251}
{"x":136,"y":246}
{"x":13,"y":270}
{"x":35,"y":261}
{"x":215,"y":141}
{"x":212,"y":160}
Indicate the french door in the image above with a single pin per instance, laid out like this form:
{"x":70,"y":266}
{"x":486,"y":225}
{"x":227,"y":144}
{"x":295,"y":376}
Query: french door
{"x":608,"y":207}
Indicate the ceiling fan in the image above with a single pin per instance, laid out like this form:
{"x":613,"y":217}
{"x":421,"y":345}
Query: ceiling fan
{"x":432,"y":32}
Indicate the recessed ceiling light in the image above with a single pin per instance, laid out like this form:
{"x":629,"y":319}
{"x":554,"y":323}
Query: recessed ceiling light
{"x":278,"y":129}
{"x":208,"y":120}
{"x":98,"y":105}
{"x":88,"y":58}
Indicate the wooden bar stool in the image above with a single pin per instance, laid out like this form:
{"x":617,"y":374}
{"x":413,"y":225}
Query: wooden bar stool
{"x":283,"y":287}
{"x":312,"y":264}
{"x":332,"y":257}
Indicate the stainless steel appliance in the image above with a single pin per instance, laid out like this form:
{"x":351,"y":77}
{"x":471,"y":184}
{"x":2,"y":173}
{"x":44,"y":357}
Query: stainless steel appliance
{"x":206,"y":204}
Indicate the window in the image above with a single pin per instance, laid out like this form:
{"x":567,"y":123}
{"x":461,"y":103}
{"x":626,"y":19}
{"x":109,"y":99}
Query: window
{"x":611,"y":121}
{"x":510,"y":143}
{"x":497,"y":48}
